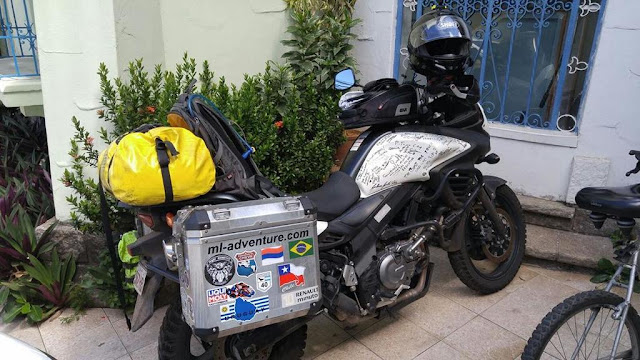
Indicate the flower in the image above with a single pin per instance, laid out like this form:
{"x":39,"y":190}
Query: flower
{"x":66,"y":183}
{"x":279,"y":124}
{"x":151,"y":109}
{"x":88,"y":140}
{"x":100,"y":113}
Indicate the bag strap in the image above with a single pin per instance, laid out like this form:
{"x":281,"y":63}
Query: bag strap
{"x":117,"y":268}
{"x":163,"y":160}
{"x":267,"y":187}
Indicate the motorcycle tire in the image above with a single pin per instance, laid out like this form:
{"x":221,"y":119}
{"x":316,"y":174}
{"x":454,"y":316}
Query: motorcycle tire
{"x":462,"y":261}
{"x":547,"y":331}
{"x":174,"y":341}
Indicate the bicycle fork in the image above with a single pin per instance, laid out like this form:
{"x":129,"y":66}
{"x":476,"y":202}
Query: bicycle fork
{"x":621,"y":310}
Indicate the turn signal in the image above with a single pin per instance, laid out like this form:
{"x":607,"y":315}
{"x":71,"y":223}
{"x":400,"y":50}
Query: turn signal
{"x":169,"y":219}
{"x":146,"y":219}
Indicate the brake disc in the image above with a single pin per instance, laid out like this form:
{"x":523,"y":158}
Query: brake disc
{"x":496,"y":248}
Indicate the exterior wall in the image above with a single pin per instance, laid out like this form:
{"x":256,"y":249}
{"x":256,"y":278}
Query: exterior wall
{"x":375,"y":42}
{"x":73,"y":39}
{"x":237,"y":37}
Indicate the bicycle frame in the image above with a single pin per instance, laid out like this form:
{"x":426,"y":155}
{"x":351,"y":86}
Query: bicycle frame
{"x":622,"y":309}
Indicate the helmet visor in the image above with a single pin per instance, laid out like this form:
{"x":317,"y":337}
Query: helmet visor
{"x":428,"y":29}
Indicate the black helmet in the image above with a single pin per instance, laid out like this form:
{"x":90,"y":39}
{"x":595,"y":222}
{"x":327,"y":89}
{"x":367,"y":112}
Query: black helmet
{"x":439,"y":44}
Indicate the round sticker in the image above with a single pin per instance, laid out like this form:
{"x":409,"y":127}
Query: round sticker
{"x":219,"y":270}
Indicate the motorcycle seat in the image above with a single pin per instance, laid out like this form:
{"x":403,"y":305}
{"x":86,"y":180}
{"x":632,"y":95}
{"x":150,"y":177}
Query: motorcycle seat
{"x":335,"y":196}
{"x":622,"y":202}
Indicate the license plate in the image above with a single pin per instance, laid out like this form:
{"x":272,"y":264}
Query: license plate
{"x":139,"y":279}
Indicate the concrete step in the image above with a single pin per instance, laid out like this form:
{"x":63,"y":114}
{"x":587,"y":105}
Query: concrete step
{"x":567,"y":247}
{"x":547,"y":213}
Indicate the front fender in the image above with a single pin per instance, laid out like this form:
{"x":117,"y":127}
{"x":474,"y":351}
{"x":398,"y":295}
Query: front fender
{"x":492,"y":183}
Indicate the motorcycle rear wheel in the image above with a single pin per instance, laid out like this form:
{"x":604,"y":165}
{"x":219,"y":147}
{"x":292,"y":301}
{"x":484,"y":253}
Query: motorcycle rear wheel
{"x":175,"y":340}
{"x":470,"y":263}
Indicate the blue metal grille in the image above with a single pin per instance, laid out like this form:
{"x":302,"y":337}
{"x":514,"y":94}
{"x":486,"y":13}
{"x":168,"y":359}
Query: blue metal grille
{"x":18,"y":51}
{"x":532,"y":56}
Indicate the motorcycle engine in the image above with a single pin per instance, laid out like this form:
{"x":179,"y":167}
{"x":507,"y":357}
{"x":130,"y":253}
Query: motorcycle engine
{"x":394,"y":271}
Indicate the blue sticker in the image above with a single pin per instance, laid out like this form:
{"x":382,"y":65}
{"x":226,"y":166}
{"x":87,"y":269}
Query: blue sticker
{"x":244,"y":310}
{"x":246,"y":263}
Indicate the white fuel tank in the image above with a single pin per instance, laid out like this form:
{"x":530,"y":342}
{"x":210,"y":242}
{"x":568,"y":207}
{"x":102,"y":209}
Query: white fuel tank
{"x":402,"y":157}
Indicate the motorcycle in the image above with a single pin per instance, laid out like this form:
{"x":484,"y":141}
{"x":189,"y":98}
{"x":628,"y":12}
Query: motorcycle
{"x":408,"y":182}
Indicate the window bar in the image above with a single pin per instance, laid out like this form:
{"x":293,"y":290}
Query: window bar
{"x":10,"y":38}
{"x":420,"y":9}
{"x":396,"y":60}
{"x":485,"y":45}
{"x":562,"y":73}
{"x":17,"y":27}
{"x":514,"y":24}
{"x":535,"y":60}
{"x":592,"y":56}
{"x":31,"y":38}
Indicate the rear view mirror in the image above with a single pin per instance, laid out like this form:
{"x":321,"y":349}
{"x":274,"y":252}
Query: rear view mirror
{"x":344,"y":80}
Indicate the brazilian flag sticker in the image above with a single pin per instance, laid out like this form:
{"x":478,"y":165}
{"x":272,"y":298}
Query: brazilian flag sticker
{"x":300,"y":248}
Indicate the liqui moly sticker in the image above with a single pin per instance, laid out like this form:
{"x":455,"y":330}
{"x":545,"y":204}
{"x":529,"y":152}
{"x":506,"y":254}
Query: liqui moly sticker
{"x":218,"y":295}
{"x":300,"y":296}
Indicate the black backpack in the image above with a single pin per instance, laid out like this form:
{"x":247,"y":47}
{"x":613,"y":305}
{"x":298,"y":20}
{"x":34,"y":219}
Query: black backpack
{"x":236,"y":173}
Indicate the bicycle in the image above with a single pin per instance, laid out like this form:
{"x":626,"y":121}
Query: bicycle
{"x":574,"y":328}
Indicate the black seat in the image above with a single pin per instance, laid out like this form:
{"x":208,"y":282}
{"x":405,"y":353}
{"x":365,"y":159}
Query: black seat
{"x":335,"y":196}
{"x":623,"y":202}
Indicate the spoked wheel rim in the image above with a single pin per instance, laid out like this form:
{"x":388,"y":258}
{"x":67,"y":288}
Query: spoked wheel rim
{"x":599,"y":340}
{"x":489,"y":254}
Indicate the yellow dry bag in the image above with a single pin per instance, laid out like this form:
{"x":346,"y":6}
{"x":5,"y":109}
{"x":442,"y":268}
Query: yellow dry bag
{"x":156,"y":165}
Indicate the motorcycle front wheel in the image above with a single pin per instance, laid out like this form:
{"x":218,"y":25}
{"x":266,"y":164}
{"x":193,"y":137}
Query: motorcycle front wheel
{"x":487,"y":263}
{"x":177,"y":343}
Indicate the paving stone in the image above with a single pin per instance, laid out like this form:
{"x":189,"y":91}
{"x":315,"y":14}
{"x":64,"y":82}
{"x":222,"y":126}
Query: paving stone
{"x":482,"y":339}
{"x":25,"y":332}
{"x":114,"y":315}
{"x":349,"y":350}
{"x":100,"y":342}
{"x":149,"y":352}
{"x":322,"y":335}
{"x":583,"y":250}
{"x":396,"y":339}
{"x":520,"y":311}
{"x":442,"y":271}
{"x":577,"y":279}
{"x":461,"y":294}
{"x":126,"y":357}
{"x":437,"y":314}
{"x":546,"y":207}
{"x":143,"y":337}
{"x":441,"y":351}
{"x":54,"y":332}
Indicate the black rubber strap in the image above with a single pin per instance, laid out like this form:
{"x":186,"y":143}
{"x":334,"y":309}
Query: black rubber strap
{"x":163,"y":160}
{"x":115,"y":262}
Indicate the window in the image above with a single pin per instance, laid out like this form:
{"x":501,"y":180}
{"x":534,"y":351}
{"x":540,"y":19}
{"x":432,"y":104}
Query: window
{"x":531,"y":56}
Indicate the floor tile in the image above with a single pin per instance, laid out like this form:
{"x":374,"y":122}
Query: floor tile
{"x":126,"y":357}
{"x":100,"y":342}
{"x":54,"y":332}
{"x":114,"y":315}
{"x":396,"y":339}
{"x":576,"y":279}
{"x":437,"y":314}
{"x":482,"y":339}
{"x":144,"y":336}
{"x":349,"y":350}
{"x":441,"y":351}
{"x":442,"y":271}
{"x":470,"y":299}
{"x":322,"y":335}
{"x":149,"y":352}
{"x":25,"y":332}
{"x":522,"y":310}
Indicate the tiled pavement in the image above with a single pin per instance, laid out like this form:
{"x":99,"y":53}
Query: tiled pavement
{"x":450,"y":322}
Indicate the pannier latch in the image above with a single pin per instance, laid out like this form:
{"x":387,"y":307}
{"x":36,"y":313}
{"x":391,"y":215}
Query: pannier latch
{"x":221,"y":214}
{"x":291,"y":205}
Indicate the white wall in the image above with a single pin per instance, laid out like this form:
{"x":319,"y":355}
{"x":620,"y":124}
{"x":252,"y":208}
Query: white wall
{"x":73,"y":39}
{"x":237,"y":37}
{"x":610,"y":121}
{"x":375,"y":42}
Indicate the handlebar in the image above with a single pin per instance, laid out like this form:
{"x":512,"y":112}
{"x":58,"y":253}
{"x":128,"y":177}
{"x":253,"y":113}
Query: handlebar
{"x":635,"y":153}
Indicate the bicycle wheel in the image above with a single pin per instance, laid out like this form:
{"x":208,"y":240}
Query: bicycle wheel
{"x":559,"y":333}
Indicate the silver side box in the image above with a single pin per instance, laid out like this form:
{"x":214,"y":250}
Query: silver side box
{"x":246,"y":265}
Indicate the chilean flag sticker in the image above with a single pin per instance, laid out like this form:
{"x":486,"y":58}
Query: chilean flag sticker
{"x":272,"y":255}
{"x":290,"y":275}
